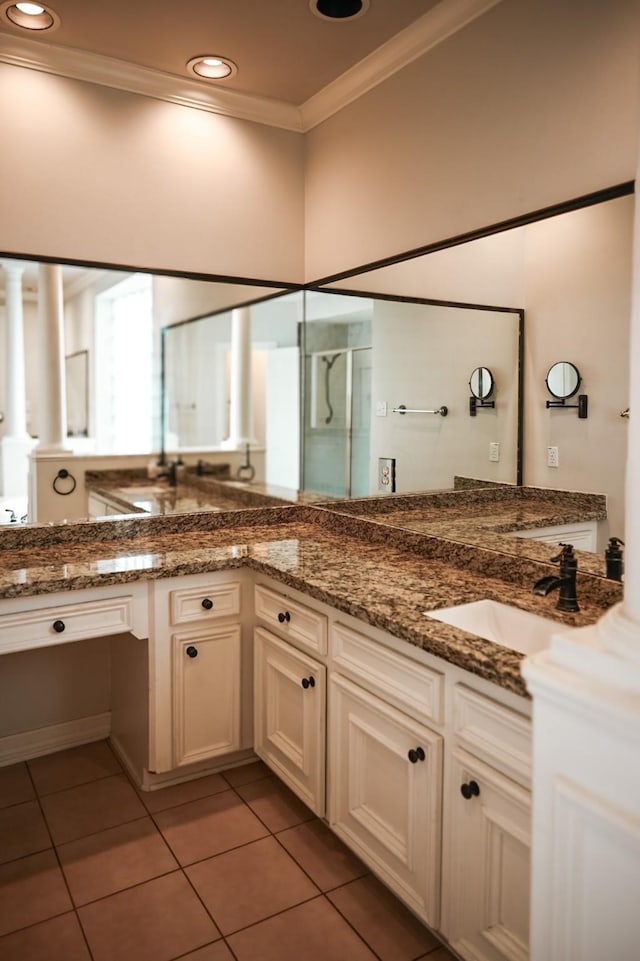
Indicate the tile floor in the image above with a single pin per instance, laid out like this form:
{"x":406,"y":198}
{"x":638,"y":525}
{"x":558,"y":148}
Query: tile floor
{"x":231,"y":866}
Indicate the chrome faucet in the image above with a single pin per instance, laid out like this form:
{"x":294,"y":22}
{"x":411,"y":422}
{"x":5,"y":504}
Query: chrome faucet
{"x":566,"y":581}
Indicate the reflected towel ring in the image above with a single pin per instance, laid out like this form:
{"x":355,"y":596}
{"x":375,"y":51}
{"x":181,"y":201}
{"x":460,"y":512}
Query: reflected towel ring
{"x":63,"y":474}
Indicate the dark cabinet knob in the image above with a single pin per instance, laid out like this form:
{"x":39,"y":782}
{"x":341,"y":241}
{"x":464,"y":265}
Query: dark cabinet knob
{"x":207,"y":603}
{"x":284,"y":616}
{"x":472,"y":789}
{"x":416,"y":754}
{"x":59,"y":626}
{"x":308,"y":682}
{"x":191,"y":651}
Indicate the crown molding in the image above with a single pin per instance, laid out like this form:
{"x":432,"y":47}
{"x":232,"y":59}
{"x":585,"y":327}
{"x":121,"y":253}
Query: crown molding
{"x":121,"y":75}
{"x":440,"y":22}
{"x":443,"y":20}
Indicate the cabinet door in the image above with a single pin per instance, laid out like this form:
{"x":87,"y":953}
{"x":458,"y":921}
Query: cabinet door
{"x":486,"y":866}
{"x":289,"y":716}
{"x":206,"y":693}
{"x":385,"y":781}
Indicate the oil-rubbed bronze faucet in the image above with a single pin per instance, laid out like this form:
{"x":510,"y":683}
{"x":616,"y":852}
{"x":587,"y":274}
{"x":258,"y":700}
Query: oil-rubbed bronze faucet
{"x":613,"y":559}
{"x":566,"y":581}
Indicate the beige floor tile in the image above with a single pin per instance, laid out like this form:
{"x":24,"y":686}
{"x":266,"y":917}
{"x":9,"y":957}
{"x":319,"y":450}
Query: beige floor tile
{"x":385,"y":924}
{"x":32,"y":889}
{"x":209,"y":826}
{"x":112,"y":860}
{"x":440,"y":954}
{"x":274,"y":804}
{"x":313,"y":931}
{"x":246,"y":773}
{"x":60,"y":939}
{"x":156,"y":921}
{"x":22,"y":831}
{"x":15,"y":785}
{"x":249,"y":884}
{"x":78,"y":765}
{"x":322,"y":855}
{"x":170,"y":797}
{"x":212,"y":952}
{"x":90,"y":808}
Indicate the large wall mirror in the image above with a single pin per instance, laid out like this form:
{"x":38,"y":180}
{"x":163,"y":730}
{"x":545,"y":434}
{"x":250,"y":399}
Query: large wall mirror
{"x":332,"y":367}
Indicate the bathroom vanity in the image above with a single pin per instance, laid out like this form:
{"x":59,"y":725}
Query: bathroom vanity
{"x":299,"y":634}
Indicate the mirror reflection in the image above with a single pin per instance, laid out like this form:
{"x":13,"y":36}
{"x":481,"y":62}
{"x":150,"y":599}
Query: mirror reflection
{"x":481,"y":383}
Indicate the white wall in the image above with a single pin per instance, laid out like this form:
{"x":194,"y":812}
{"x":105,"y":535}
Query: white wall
{"x":531,"y":104}
{"x":578,"y":304}
{"x":99,"y":174}
{"x":423,"y":358}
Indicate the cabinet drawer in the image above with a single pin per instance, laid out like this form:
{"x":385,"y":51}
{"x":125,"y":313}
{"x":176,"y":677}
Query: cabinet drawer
{"x":206,"y":602}
{"x":494,"y":733}
{"x":403,"y":682}
{"x":62,"y":623}
{"x":297,"y":622}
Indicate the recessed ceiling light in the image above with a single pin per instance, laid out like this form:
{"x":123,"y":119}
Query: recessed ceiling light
{"x":212,"y":67}
{"x":338,"y":9}
{"x":29,"y":16}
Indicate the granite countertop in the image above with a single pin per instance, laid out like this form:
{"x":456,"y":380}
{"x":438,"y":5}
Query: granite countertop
{"x":135,"y":492}
{"x":487,"y":517}
{"x":382,"y":576}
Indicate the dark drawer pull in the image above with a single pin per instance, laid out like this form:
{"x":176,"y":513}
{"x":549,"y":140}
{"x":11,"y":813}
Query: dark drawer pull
{"x":308,"y":682}
{"x":416,"y":755}
{"x":207,"y":603}
{"x":282,"y":617}
{"x":59,"y":626}
{"x":191,"y":651}
{"x":472,"y":789}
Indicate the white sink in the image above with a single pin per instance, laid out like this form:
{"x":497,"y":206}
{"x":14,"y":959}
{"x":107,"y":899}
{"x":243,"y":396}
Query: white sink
{"x":502,"y":624}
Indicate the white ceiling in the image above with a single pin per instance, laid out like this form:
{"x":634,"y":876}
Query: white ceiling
{"x":282,"y":50}
{"x":287,"y":57}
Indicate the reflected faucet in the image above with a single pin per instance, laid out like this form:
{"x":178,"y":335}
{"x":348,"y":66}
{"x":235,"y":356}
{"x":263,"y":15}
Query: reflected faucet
{"x":566,"y":581}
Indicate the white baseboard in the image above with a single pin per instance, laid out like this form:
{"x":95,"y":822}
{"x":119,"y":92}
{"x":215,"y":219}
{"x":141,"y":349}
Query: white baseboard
{"x":57,"y":737}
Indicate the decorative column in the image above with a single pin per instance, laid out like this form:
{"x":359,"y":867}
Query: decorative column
{"x":53,"y":495}
{"x":240,"y":396}
{"x":52,"y":408}
{"x":16,"y":442}
{"x":586,"y":733}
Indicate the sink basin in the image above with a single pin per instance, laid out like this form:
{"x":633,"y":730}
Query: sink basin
{"x":509,"y":626}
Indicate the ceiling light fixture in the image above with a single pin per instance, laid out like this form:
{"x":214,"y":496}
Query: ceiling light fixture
{"x":338,"y":9}
{"x":29,"y":16}
{"x":212,"y":67}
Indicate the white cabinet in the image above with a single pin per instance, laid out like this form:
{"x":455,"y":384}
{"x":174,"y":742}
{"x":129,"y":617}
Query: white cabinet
{"x":487,"y":831}
{"x":199,"y":669}
{"x":385,"y":776}
{"x":583,"y":536}
{"x":206,"y":693}
{"x":289,"y":716}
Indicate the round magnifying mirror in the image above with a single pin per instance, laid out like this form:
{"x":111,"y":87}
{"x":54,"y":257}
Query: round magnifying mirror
{"x":563,"y":379}
{"x":481,"y":383}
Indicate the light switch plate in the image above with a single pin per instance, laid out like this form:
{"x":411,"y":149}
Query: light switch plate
{"x":553,"y":457}
{"x":381,"y":408}
{"x":494,"y":450}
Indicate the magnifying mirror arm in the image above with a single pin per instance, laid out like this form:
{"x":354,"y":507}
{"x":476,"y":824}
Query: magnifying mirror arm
{"x":479,"y":402}
{"x":582,"y":406}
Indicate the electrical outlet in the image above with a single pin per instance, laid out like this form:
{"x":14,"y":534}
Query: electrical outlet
{"x":381,"y":408}
{"x":553,"y":457}
{"x":387,"y":474}
{"x":494,"y":450}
